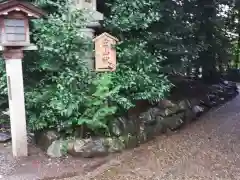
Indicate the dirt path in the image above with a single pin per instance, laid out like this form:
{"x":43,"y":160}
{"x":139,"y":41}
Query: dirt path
{"x":208,"y":149}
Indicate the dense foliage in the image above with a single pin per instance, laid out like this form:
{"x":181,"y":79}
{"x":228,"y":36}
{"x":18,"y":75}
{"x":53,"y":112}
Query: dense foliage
{"x":157,"y":38}
{"x":187,"y":34}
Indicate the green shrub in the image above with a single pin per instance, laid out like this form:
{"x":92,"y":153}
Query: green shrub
{"x":98,"y":108}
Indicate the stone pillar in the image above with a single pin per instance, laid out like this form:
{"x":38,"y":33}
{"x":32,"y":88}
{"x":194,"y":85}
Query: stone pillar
{"x":89,"y":33}
{"x":13,"y":59}
{"x":93,"y":17}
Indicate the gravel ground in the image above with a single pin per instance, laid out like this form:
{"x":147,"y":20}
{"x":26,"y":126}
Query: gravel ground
{"x":38,"y":166}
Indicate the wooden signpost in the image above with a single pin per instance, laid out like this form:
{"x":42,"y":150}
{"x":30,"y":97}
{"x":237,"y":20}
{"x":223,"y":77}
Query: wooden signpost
{"x":105,"y":52}
{"x":14,"y":26}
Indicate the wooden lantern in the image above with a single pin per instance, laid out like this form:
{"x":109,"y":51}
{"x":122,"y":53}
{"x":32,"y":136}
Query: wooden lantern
{"x":14,"y":22}
{"x":105,"y":53}
{"x":14,"y":33}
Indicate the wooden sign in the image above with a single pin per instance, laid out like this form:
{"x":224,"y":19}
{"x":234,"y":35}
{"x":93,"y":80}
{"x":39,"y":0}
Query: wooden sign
{"x":105,"y":52}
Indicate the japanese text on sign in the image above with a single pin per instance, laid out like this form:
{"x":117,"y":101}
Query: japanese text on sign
{"x":105,"y":54}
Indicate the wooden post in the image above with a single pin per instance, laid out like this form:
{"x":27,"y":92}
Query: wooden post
{"x":15,"y":37}
{"x":13,"y":59}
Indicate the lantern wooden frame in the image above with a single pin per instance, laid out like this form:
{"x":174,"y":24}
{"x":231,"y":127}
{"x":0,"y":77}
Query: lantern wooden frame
{"x":17,"y":10}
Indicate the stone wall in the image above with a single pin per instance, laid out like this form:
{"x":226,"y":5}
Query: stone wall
{"x":188,"y":101}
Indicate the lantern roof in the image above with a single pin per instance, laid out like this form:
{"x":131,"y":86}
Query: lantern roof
{"x":14,"y":5}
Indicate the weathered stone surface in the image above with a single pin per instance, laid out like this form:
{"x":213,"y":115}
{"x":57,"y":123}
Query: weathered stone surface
{"x":129,"y":141}
{"x":224,"y":90}
{"x":230,"y":94}
{"x":31,"y":138}
{"x":142,"y":136}
{"x":118,"y":126}
{"x":75,"y":147}
{"x":123,"y":126}
{"x":147,"y":117}
{"x":56,"y":149}
{"x":173,"y":122}
{"x":89,"y":148}
{"x":158,"y":128}
{"x":5,"y":120}
{"x":207,"y":103}
{"x":4,"y":137}
{"x":165,"y":103}
{"x":114,"y":145}
{"x":193,"y":102}
{"x":45,"y":138}
{"x":198,"y":110}
{"x":169,"y":111}
{"x":133,"y":125}
{"x":5,"y":114}
{"x":149,"y":131}
{"x":189,"y":116}
{"x":150,"y":116}
{"x":184,"y":104}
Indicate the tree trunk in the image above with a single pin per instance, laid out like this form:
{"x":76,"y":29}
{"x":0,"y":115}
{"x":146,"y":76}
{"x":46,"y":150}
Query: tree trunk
{"x":238,"y":44}
{"x":207,"y":57}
